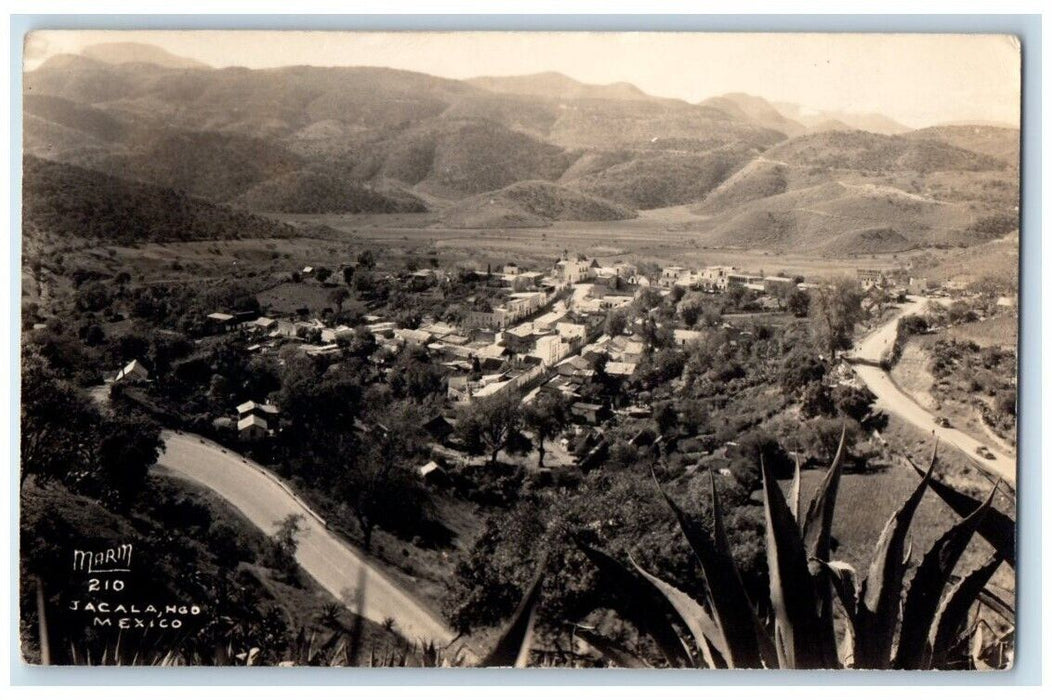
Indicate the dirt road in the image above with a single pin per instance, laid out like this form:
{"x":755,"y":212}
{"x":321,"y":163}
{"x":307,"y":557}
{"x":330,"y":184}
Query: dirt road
{"x":337,"y":566}
{"x":892,"y":399}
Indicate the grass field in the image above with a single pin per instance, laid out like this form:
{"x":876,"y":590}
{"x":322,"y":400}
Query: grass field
{"x":866,"y":501}
{"x":653,"y":236}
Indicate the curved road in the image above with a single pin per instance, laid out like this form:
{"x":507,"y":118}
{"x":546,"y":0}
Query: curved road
{"x":337,"y":566}
{"x":892,"y":399}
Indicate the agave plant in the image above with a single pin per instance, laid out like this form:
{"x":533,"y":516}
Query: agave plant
{"x":883,"y":628}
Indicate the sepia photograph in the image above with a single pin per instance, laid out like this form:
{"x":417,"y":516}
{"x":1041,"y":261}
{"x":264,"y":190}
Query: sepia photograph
{"x":467,"y":349}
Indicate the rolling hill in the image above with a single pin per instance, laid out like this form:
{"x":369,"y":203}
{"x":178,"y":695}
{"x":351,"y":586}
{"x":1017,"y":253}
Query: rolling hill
{"x":557,"y":85}
{"x":306,"y":192}
{"x":998,"y":142}
{"x":757,"y":110}
{"x":860,"y":150}
{"x":813,"y":119}
{"x":69,"y":202}
{"x":134,"y":52}
{"x":662,"y":178}
{"x":530,"y":204}
{"x":520,"y":151}
{"x":838,"y":218}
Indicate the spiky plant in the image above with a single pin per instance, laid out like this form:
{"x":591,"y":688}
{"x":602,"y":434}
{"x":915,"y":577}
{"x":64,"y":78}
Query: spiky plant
{"x":884,"y":629}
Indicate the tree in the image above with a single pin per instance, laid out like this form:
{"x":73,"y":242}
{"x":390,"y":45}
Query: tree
{"x":348,"y":275}
{"x":323,"y":273}
{"x":65,"y":437}
{"x":798,"y":303}
{"x":616,"y":322}
{"x":545,"y":418}
{"x":490,"y":424}
{"x":690,"y":310}
{"x":376,"y":485}
{"x":281,"y":553}
{"x":337,"y":297}
{"x":835,"y":309}
{"x":853,"y":402}
{"x":366,"y":259}
{"x":817,"y":401}
{"x":665,"y":418}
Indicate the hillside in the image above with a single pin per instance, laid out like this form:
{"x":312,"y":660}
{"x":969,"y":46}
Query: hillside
{"x":349,"y":140}
{"x":530,"y":204}
{"x":813,"y":119}
{"x":131,"y":52}
{"x":69,"y":202}
{"x":457,"y":158}
{"x":662,"y":178}
{"x":839,"y":218}
{"x":211,"y":165}
{"x":557,"y":85}
{"x":999,"y":142}
{"x":305,"y":192}
{"x":759,"y":179}
{"x":757,"y":110}
{"x":859,"y":150}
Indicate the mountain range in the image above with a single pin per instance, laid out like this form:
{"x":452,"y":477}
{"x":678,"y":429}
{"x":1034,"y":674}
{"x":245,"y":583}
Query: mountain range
{"x":516,"y":151}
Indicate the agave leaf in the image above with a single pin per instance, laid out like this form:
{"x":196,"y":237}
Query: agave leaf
{"x":845,"y":583}
{"x":42,"y":623}
{"x":513,"y":647}
{"x":929,"y":581}
{"x":609,"y":649}
{"x":997,"y":528}
{"x":728,"y":600}
{"x":817,"y":526}
{"x":994,"y":602}
{"x":792,"y":588}
{"x":641,"y":606}
{"x":794,"y":492}
{"x":953,"y":613}
{"x":319,"y":654}
{"x":818,"y":522}
{"x":881,"y":598}
{"x":978,"y":647}
{"x":700,"y":624}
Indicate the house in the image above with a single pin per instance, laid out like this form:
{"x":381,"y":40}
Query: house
{"x":307,"y":271}
{"x":777,"y":286}
{"x":219,"y":322}
{"x":572,"y":271}
{"x":741,"y":279}
{"x":573,"y":365}
{"x":589,"y":413}
{"x":251,"y":428}
{"x":251,"y":408}
{"x":132,"y":372}
{"x":433,"y":473}
{"x":571,"y":332}
{"x":715,"y":277}
{"x":519,"y":339}
{"x":918,"y":285}
{"x":438,"y":428}
{"x":331,"y":335}
{"x":264,"y":324}
{"x":620,"y":369}
{"x":409,"y":335}
{"x":870,"y":278}
{"x":549,"y":348}
{"x":670,"y":276}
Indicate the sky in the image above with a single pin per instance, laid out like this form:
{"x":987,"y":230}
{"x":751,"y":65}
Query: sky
{"x":917,"y":79}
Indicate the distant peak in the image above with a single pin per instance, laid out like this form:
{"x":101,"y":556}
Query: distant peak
{"x":135,"y":52}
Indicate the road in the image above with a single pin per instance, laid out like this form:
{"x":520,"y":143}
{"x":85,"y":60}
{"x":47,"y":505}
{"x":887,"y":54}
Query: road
{"x":336,"y":565}
{"x":893,"y":400}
